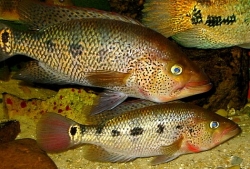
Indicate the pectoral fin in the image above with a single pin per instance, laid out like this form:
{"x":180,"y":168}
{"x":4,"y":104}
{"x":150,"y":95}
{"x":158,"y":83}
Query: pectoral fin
{"x":97,"y":153}
{"x":168,"y":153}
{"x":33,"y":71}
{"x":108,"y":100}
{"x":107,"y":78}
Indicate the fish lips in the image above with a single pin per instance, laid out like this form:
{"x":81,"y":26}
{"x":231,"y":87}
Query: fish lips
{"x":199,"y":87}
{"x":192,"y":88}
{"x":229,"y":133}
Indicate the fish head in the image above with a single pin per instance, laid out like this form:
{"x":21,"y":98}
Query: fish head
{"x":209,"y":130}
{"x":175,"y":78}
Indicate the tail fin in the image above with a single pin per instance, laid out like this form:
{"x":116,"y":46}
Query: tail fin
{"x":168,"y":16}
{"x":56,"y":133}
{"x":5,"y":42}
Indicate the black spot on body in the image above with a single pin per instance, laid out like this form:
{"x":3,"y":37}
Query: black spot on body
{"x":5,"y":37}
{"x":179,"y":127}
{"x":115,"y":133}
{"x":73,"y":130}
{"x":213,"y":21}
{"x":83,"y":129}
{"x":99,"y":129}
{"x":196,"y":16}
{"x":76,"y":50}
{"x":160,"y":129}
{"x":136,"y":131}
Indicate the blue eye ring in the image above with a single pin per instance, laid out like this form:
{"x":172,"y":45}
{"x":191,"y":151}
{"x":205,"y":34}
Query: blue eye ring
{"x":176,"y":69}
{"x":214,"y":124}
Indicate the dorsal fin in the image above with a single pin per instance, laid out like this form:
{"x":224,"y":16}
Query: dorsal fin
{"x":41,"y":15}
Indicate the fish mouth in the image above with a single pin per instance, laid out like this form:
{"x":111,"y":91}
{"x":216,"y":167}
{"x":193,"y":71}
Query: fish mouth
{"x":230,"y":132}
{"x":199,"y":87}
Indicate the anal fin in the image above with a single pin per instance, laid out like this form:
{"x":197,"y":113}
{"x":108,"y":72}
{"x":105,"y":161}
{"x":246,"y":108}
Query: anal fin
{"x":97,"y":153}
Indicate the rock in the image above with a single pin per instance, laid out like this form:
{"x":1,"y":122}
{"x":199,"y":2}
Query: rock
{"x":228,"y":71}
{"x":9,"y":130}
{"x":24,"y":154}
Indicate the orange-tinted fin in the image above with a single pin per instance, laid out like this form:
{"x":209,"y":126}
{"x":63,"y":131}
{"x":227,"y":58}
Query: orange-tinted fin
{"x":168,"y":16}
{"x":108,"y":100}
{"x":8,"y":10}
{"x":33,"y":72}
{"x":169,"y":153}
{"x":107,"y":78}
{"x":40,"y":15}
{"x":97,"y":153}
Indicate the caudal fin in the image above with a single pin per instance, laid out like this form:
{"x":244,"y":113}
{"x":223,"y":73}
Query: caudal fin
{"x":168,"y":16}
{"x":54,"y":132}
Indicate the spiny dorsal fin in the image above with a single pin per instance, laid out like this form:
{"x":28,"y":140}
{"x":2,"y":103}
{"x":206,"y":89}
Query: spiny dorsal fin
{"x":41,"y":15}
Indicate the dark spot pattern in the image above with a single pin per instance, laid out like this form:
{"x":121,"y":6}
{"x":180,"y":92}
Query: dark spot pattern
{"x":136,"y":131}
{"x":83,"y":129}
{"x":160,"y":129}
{"x":5,"y":37}
{"x":115,"y":133}
{"x":179,"y":127}
{"x":196,"y":16}
{"x":213,"y":21}
{"x":99,"y":129}
{"x":73,"y":130}
{"x":76,"y":50}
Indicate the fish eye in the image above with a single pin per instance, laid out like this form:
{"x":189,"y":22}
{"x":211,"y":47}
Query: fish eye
{"x":176,"y":69}
{"x":214,"y":124}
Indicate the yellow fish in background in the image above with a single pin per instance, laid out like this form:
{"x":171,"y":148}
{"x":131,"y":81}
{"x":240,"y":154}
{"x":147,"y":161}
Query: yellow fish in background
{"x":201,"y":23}
{"x":165,"y":131}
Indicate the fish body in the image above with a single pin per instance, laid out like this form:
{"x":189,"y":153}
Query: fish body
{"x":201,"y":24}
{"x":132,"y":60}
{"x":162,"y":130}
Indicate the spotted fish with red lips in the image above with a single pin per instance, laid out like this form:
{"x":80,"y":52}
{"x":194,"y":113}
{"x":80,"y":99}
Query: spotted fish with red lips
{"x":138,"y":129}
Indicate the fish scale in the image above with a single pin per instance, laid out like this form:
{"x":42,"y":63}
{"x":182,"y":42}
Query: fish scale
{"x":149,"y":129}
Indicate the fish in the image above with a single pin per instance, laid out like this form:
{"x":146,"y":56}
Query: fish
{"x":205,"y":24}
{"x":126,"y":59}
{"x":161,"y":130}
{"x":39,"y":15}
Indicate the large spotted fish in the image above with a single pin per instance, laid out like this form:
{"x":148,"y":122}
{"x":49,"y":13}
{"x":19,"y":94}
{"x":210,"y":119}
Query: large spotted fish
{"x":201,"y":23}
{"x":129,"y":59}
{"x":140,"y":129}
